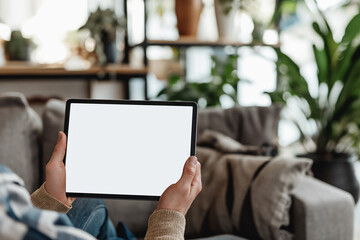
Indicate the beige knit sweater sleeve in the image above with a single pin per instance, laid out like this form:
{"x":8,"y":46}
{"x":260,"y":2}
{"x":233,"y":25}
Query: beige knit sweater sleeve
{"x":42,"y":199}
{"x":166,"y":225}
{"x":162,"y":225}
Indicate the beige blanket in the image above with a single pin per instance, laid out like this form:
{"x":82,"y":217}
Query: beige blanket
{"x":226,"y":179}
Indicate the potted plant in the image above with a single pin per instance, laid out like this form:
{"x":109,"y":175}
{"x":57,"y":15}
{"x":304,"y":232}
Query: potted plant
{"x":334,"y":111}
{"x":225,"y":11}
{"x":223,"y":81}
{"x":18,"y":47}
{"x":103,"y":25}
{"x":188,"y":16}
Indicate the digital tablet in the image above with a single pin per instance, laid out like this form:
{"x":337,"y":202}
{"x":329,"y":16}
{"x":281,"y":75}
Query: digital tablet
{"x":126,"y":149}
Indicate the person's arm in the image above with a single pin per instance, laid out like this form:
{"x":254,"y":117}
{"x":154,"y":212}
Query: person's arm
{"x":51,"y":195}
{"x":168,"y":221}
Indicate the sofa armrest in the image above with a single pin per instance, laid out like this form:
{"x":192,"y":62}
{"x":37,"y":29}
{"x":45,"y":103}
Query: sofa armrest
{"x":322,"y":211}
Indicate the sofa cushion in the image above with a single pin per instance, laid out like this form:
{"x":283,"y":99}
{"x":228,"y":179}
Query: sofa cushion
{"x":322,"y":211}
{"x":20,"y":130}
{"x":248,"y":125}
{"x":271,"y":195}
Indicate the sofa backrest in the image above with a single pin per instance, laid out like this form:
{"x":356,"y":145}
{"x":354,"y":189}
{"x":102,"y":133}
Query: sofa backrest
{"x":248,"y":125}
{"x":20,"y":131}
{"x":53,"y":122}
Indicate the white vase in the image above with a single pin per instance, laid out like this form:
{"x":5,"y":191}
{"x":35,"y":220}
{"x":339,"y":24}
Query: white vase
{"x":225,"y":21}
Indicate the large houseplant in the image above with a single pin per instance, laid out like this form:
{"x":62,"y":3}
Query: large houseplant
{"x":103,"y":25}
{"x":334,"y":110}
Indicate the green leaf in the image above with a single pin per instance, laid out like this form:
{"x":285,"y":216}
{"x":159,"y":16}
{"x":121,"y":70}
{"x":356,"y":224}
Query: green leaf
{"x":296,"y":84}
{"x":324,"y":37}
{"x":322,"y":64}
{"x":173,"y":79}
{"x":344,"y":63}
{"x":349,"y":95}
{"x":276,"y":97}
{"x":162,"y":92}
{"x":352,"y":30}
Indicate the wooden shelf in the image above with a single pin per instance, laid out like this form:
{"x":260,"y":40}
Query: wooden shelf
{"x":28,"y":69}
{"x":19,"y":71}
{"x":125,"y":69}
{"x":193,"y":41}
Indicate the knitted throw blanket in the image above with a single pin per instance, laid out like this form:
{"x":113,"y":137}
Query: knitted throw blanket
{"x":227,"y":174}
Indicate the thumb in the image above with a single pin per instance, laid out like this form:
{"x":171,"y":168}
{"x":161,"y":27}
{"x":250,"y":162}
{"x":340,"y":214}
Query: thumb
{"x":189,"y":171}
{"x":60,"y":147}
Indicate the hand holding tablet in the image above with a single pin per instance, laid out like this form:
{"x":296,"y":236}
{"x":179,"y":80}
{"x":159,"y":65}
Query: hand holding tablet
{"x":55,"y":172}
{"x":127,"y":149}
{"x":180,"y":196}
{"x":177,"y":197}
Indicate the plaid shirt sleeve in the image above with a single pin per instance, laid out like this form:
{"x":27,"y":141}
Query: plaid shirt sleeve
{"x":20,"y":220}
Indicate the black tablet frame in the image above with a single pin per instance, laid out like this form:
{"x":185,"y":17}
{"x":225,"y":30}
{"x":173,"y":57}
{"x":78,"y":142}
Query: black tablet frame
{"x":130,"y":102}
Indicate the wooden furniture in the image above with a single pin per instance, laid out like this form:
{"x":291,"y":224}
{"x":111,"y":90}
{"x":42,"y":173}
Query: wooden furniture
{"x":121,"y":72}
{"x":194,"y":42}
{"x":183,"y":42}
{"x":15,"y":71}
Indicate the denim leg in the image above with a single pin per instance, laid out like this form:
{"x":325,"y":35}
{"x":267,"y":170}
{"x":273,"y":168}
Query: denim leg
{"x":91,"y":215}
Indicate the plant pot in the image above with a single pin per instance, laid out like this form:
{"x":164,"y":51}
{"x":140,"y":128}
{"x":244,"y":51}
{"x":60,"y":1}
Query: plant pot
{"x":18,"y":48}
{"x":188,"y":16}
{"x":336,"y":170}
{"x":110,"y":51}
{"x":225,"y":21}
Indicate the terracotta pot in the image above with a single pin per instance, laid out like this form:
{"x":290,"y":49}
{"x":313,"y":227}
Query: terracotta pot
{"x":336,"y":170}
{"x":225,"y":21}
{"x":188,"y":16}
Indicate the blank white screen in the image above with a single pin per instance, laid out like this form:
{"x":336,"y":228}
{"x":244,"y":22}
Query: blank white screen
{"x":126,"y":149}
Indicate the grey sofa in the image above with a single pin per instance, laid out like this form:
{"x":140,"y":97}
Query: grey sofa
{"x":318,"y":211}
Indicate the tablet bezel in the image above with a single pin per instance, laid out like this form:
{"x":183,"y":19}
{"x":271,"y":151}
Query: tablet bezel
{"x":129,"y":102}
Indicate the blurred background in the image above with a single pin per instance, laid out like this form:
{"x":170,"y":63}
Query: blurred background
{"x":303,"y":54}
{"x":50,"y":34}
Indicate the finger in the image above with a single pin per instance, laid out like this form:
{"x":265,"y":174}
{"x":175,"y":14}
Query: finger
{"x":196,"y":184}
{"x":59,"y":150}
{"x":189,"y":171}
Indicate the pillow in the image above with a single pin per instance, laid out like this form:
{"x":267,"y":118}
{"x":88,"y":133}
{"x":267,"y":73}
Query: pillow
{"x":20,"y":130}
{"x":271,"y":195}
{"x":227,"y":206}
{"x":248,"y":125}
{"x":225,"y":144}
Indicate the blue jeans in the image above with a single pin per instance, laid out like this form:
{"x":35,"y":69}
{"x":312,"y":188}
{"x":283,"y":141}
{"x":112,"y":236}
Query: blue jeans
{"x":91,"y":215}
